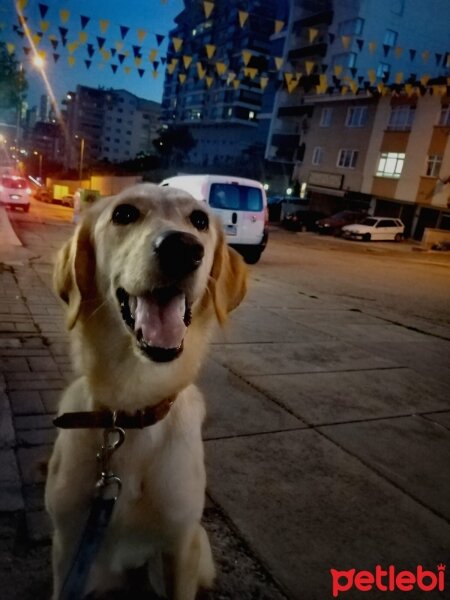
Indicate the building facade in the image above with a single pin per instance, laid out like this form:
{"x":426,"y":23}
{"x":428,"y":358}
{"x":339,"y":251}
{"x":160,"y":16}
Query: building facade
{"x":333,"y":45}
{"x":211,"y":85}
{"x":114,"y":125}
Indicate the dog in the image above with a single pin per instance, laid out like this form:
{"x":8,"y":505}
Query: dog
{"x":144,"y":278}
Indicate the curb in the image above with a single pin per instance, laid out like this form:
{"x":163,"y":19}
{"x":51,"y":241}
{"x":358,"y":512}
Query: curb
{"x":8,"y":236}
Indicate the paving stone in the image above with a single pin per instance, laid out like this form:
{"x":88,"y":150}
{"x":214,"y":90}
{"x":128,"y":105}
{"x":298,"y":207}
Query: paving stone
{"x":442,"y":418}
{"x":7,"y":327}
{"x":38,"y":525}
{"x":7,"y":434}
{"x":26,"y":402}
{"x":11,"y":365}
{"x":8,"y":466}
{"x":42,"y":364}
{"x":34,"y":496}
{"x":38,"y":384}
{"x":24,"y":423}
{"x":9,"y":343}
{"x":37,"y":437}
{"x":50,"y":399}
{"x":11,"y":499}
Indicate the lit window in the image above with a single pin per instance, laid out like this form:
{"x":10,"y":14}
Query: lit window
{"x":251,"y":114}
{"x":351,"y":27}
{"x":434,"y":163}
{"x":347,"y":158}
{"x":346,"y":60}
{"x":356,"y":116}
{"x":317,"y":156}
{"x":401,"y":118}
{"x":390,"y":164}
{"x":325,"y":117}
{"x":390,"y":38}
{"x":444,"y":118}
{"x":383,"y":69}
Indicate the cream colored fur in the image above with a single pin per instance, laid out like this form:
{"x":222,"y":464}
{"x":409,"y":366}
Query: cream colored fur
{"x":156,"y":521}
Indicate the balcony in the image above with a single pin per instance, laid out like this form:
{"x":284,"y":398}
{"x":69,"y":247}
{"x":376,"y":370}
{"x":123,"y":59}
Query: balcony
{"x":295,"y":111}
{"x":309,"y":51}
{"x":322,"y":18}
{"x":287,"y":141}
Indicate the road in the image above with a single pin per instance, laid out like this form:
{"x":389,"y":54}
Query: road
{"x":328,"y":394}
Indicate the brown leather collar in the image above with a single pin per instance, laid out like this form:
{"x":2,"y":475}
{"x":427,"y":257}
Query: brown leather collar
{"x":105,"y":418}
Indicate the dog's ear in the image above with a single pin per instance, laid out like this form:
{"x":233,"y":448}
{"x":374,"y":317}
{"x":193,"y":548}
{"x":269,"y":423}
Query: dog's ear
{"x":228,"y":279}
{"x":74,"y":274}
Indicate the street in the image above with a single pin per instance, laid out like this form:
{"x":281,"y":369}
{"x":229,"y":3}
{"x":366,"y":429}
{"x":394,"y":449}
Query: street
{"x":328,"y":428}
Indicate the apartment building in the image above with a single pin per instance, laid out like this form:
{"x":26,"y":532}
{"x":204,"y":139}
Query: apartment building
{"x":211,"y":88}
{"x":114,"y":124}
{"x":389,"y":155}
{"x":336,"y":44}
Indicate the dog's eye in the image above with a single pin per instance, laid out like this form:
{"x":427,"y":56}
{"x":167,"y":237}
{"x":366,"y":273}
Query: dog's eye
{"x":125,"y":213}
{"x":199,"y":220}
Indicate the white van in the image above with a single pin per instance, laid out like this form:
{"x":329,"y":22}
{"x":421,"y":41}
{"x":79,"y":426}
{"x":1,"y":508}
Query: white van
{"x":15,"y":192}
{"x":240,"y":203}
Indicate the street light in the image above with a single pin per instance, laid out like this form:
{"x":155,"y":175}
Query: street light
{"x":40,"y":164}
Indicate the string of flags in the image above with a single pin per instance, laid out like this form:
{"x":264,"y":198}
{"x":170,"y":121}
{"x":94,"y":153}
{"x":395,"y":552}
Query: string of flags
{"x":81,"y":39}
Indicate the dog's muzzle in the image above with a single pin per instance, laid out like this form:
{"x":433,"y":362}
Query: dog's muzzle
{"x":160,"y":318}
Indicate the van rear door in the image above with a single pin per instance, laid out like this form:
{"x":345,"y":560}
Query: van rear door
{"x":241,"y":209}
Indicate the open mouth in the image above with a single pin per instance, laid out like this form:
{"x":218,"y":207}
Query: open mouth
{"x":159,"y":321}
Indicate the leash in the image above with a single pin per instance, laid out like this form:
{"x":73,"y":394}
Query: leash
{"x":108,"y":486}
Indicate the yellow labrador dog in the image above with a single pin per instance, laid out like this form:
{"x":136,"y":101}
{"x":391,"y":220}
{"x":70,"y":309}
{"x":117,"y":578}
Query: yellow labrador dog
{"x":144,"y":278}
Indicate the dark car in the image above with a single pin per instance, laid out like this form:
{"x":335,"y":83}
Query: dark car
{"x":302,"y":220}
{"x":333,"y":225}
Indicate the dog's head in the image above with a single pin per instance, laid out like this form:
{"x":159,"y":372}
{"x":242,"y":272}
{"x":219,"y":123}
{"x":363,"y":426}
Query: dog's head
{"x":156,"y":261}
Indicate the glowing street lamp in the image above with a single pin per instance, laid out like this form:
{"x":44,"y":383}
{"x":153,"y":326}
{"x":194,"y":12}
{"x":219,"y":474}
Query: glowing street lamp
{"x":38,"y":61}
{"x":40,"y":163}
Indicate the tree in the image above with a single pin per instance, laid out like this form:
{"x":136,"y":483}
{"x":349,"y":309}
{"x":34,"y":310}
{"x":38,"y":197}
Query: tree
{"x":173,"y":143}
{"x":13,"y":84}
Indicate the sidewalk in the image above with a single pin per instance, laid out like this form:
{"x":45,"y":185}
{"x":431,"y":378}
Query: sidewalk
{"x":327,"y":440}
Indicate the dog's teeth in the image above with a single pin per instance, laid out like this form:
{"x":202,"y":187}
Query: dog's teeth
{"x":132,"y":303}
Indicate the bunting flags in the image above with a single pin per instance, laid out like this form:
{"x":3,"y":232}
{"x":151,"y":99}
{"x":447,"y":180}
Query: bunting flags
{"x":208,"y":7}
{"x":243,"y":16}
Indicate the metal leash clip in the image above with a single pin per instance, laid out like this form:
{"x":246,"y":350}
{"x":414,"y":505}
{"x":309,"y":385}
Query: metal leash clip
{"x":113,"y":438}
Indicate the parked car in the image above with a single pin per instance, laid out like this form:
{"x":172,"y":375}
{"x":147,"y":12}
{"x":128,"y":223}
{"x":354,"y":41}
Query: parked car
{"x":302,"y":220}
{"x":43,"y":194}
{"x":333,"y":225}
{"x":67,"y":201}
{"x":15,"y":192}
{"x":375,"y":228}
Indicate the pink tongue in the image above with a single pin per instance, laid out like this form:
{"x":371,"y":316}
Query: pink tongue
{"x":162,"y":325}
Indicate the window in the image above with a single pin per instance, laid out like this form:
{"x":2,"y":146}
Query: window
{"x":351,"y":27}
{"x":325,"y":117}
{"x":434,"y":163}
{"x":390,"y":164}
{"x":346,"y":60}
{"x":401,"y":118}
{"x":444,"y":118}
{"x":383,"y":70}
{"x":390,"y":38}
{"x":317,"y":156}
{"x":347,"y":158}
{"x":235,"y":197}
{"x":356,"y":116}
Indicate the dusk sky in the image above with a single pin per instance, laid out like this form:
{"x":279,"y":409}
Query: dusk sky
{"x":150,"y":16}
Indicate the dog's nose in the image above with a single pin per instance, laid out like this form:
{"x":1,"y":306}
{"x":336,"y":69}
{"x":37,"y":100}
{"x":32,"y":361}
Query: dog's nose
{"x":179,"y":253}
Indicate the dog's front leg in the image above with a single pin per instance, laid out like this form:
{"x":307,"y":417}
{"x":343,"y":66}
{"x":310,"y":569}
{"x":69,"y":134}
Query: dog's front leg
{"x":193,"y":566}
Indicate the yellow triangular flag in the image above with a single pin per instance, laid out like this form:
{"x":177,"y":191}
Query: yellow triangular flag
{"x":263,"y":82}
{"x":354,"y":86}
{"x":127,"y":70}
{"x":425,"y":55}
{"x":104,"y":24}
{"x":372,"y":75}
{"x":171,"y":67}
{"x":398,"y":51}
{"x":119,"y":46}
{"x":177,"y":43}
{"x":83,"y":36}
{"x":44,"y":25}
{"x":155,"y":74}
{"x":11,"y":48}
{"x":209,"y":81}
{"x":324,"y":81}
{"x":201,"y":72}
{"x":246,"y":56}
{"x":210,"y":50}
{"x":236,"y":84}
{"x":106,"y":54}
{"x":278,"y":62}
{"x":313,"y":33}
{"x":278,"y":26}
{"x":221,"y":68}
{"x":187,"y":61}
{"x":344,"y":90}
{"x":138,"y":61}
{"x":372,"y":47}
{"x":36,"y":39}
{"x":153,"y":55}
{"x":71,"y":60}
{"x":399,"y":77}
{"x":22,"y":4}
{"x":208,"y":7}
{"x":250,"y":72}
{"x":346,"y":39}
{"x":64,"y":15}
{"x":424,"y":80}
{"x":231,"y":77}
{"x":409,"y":90}
{"x":288,"y":77}
{"x":292,"y":85}
{"x":337,"y":70}
{"x":72,"y":47}
{"x":141,"y":33}
{"x":243,"y":16}
{"x":182,"y":78}
{"x":309,"y":65}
